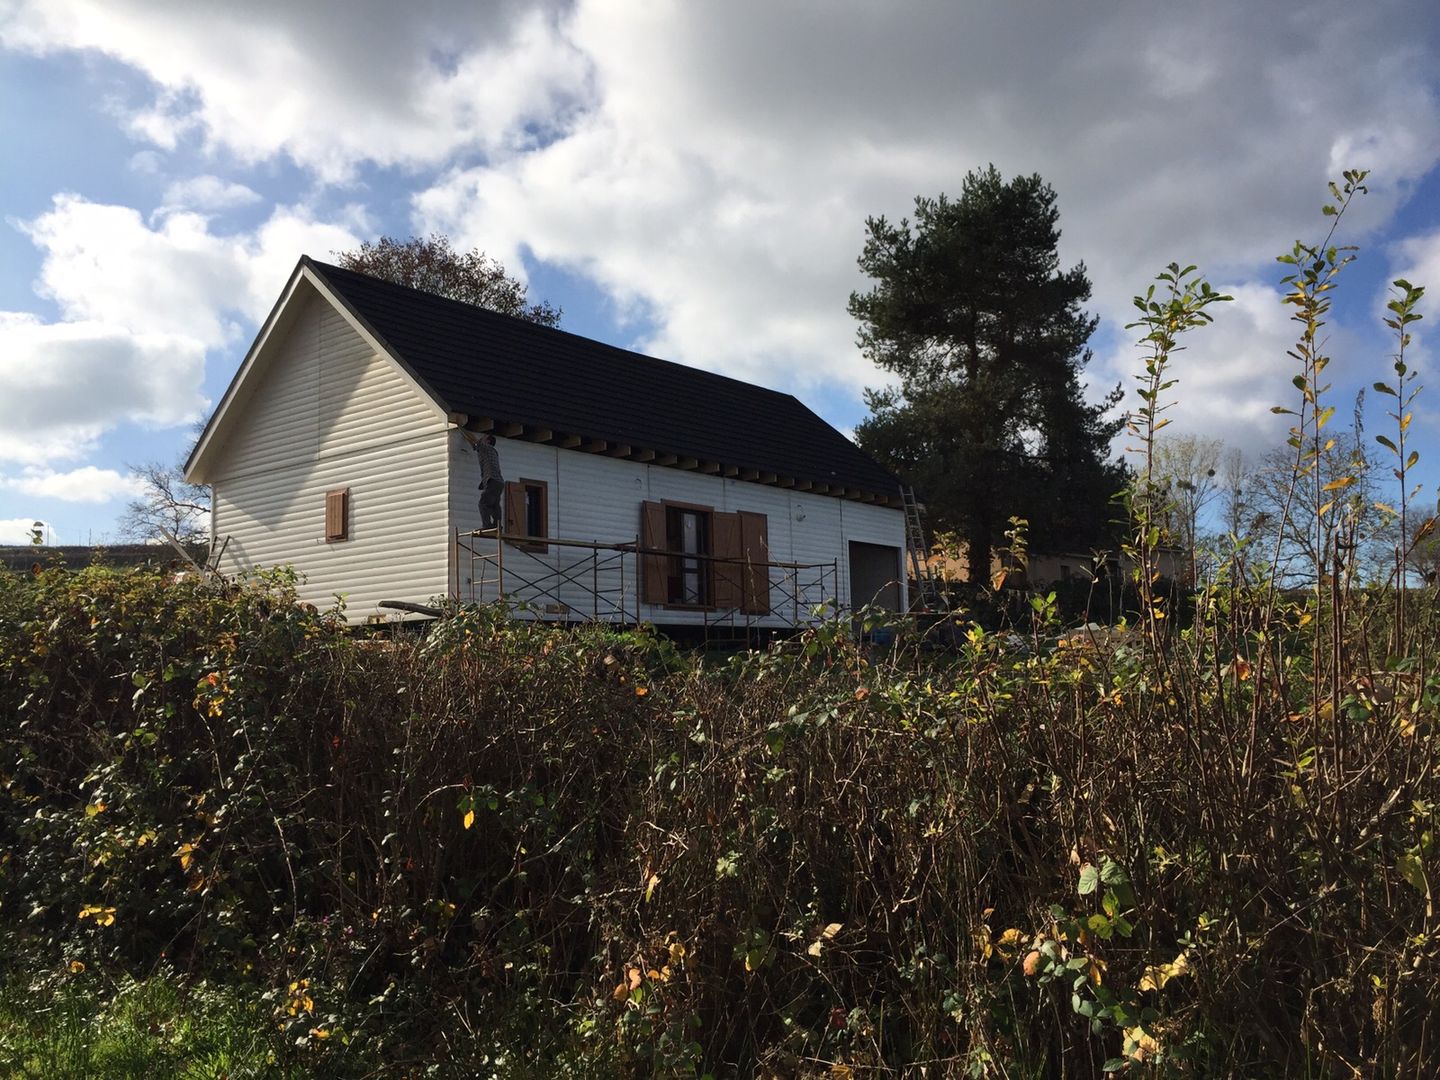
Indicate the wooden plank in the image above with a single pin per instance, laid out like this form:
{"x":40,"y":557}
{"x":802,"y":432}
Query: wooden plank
{"x":727,"y":576}
{"x":569,"y":442}
{"x":652,"y":567}
{"x":755,"y":545}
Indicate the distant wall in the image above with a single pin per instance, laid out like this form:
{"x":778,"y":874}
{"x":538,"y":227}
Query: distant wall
{"x":79,"y":556}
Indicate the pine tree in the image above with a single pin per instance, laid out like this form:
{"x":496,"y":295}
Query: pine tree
{"x":986,"y":336}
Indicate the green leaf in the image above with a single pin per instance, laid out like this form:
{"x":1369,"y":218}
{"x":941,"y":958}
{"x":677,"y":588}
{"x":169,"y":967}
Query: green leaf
{"x":1412,"y":869}
{"x":1383,"y":441}
{"x":1089,"y":880}
{"x":1112,"y":873}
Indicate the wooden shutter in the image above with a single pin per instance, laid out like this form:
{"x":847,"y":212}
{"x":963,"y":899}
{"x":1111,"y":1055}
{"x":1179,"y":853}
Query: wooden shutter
{"x":755,"y":549}
{"x":728,"y":576}
{"x":514,"y":519}
{"x":652,"y":567}
{"x":337,"y":514}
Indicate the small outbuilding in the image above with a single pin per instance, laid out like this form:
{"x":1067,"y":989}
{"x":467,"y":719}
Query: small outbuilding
{"x":636,"y":489}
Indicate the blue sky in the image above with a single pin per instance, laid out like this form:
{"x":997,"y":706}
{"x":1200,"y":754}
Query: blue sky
{"x":688,"y":180}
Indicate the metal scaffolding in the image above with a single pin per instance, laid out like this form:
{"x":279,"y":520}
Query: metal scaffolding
{"x":586,"y":580}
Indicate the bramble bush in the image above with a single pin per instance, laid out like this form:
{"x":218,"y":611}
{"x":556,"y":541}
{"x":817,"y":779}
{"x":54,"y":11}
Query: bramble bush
{"x":512,"y":849}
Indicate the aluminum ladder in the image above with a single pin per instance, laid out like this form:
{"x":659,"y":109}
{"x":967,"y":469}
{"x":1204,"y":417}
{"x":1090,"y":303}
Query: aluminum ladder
{"x":931,"y":596}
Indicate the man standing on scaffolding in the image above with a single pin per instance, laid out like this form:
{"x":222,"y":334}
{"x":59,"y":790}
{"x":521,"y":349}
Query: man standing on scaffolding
{"x":492,"y":484}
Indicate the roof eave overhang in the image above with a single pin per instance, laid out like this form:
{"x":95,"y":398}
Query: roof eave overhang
{"x":619,"y":447}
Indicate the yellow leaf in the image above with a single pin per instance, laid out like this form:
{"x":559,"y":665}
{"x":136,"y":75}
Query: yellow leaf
{"x":650,"y":886}
{"x":77,"y":966}
{"x":641,"y":691}
{"x":103,"y":916}
{"x":319,"y":1033}
{"x":94,"y":808}
{"x":186,"y":854}
{"x":1011,"y":937}
{"x":468,"y":819}
{"x":1157,"y":975}
{"x":1339,"y":484}
{"x":1138,"y":1044}
{"x":677,"y":953}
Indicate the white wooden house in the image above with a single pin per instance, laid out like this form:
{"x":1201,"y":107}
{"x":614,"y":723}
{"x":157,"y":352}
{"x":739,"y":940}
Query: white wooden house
{"x":638,"y":489}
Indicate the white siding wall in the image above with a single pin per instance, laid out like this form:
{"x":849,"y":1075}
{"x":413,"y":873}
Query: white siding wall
{"x":328,"y":412}
{"x":597,"y":498}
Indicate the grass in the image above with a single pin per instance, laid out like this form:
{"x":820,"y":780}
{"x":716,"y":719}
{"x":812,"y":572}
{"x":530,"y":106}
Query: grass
{"x":58,"y":1027}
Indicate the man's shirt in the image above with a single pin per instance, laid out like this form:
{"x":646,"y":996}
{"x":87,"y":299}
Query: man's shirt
{"x":489,"y":462}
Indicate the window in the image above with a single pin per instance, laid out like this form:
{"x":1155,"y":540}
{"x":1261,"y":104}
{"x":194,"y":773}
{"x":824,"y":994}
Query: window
{"x":337,"y":515}
{"x":527,"y":512}
{"x":696,"y":556}
{"x":687,"y":533}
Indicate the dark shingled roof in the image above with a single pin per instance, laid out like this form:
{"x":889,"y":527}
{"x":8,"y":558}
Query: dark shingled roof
{"x":513,"y":371}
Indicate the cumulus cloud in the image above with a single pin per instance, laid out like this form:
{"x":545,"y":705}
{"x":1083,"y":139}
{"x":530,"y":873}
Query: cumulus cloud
{"x":105,"y":263}
{"x":64,"y":384}
{"x":329,"y":85}
{"x":207,"y":192}
{"x":710,"y":167}
{"x":17,"y":530}
{"x":1229,"y":374}
{"x":88,"y":484}
{"x":141,"y":306}
{"x":720,"y":183}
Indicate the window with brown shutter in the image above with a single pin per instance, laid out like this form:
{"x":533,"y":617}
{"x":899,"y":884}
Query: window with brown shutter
{"x":527,"y":513}
{"x":694,"y":556}
{"x":689,"y":570}
{"x":337,"y":515}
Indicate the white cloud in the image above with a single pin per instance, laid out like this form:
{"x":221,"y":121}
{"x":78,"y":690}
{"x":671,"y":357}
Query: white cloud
{"x":104,"y":263}
{"x":1417,"y":260}
{"x":208,"y":192}
{"x":1229,"y":374}
{"x":65,"y":384}
{"x":721,"y":182}
{"x":88,"y":484}
{"x":16,"y":530}
{"x":329,"y":85}
{"x":711,"y":166}
{"x":141,"y":307}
